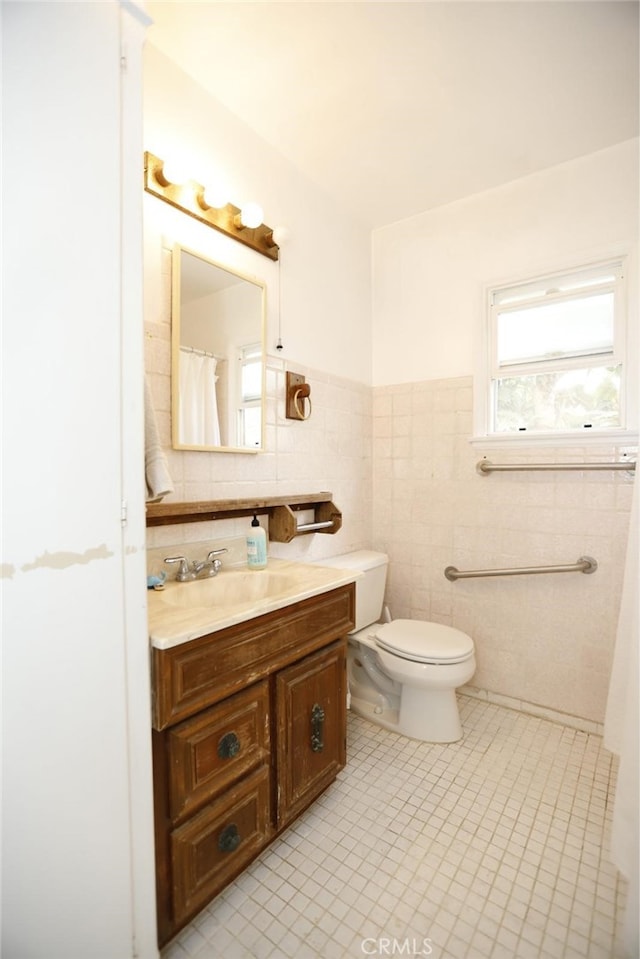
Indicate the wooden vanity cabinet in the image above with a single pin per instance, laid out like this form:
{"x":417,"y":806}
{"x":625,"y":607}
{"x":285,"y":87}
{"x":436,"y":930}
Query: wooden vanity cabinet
{"x":249,"y":728}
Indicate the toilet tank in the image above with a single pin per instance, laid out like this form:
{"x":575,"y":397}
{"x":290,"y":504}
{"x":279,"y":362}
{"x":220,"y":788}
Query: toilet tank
{"x":370,"y":587}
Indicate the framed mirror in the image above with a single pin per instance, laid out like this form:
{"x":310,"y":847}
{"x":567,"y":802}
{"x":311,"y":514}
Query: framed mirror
{"x":218,"y":363}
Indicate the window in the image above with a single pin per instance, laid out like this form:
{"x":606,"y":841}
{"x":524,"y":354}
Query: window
{"x":556,"y":354}
{"x":250,"y":396}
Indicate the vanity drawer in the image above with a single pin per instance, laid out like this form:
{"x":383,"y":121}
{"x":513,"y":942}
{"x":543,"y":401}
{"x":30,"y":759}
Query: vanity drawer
{"x":218,"y":842}
{"x":208,"y":753}
{"x":204,"y":671}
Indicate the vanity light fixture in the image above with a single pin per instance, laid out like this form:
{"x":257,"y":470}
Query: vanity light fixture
{"x":192,"y":198}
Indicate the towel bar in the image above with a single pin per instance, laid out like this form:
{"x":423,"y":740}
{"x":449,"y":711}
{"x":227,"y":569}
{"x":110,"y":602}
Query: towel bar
{"x":586,"y":564}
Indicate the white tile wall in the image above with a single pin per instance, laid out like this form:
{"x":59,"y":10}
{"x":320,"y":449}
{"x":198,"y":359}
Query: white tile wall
{"x":331,"y":451}
{"x":544,"y":639}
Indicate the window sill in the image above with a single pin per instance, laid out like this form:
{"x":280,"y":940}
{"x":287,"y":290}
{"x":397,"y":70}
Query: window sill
{"x":554,"y":440}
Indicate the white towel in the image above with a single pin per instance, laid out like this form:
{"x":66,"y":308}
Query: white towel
{"x":156,"y":469}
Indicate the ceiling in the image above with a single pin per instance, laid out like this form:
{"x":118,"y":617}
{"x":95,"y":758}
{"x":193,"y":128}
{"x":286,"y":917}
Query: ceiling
{"x":200,"y":277}
{"x":395,"y":108}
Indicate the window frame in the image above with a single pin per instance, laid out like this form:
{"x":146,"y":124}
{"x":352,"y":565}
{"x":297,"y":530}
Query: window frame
{"x":488,"y":369}
{"x":249,"y":354}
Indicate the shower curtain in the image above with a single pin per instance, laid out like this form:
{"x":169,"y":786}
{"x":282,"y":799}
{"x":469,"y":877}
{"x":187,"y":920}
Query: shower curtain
{"x":199,"y":424}
{"x":621,"y":725}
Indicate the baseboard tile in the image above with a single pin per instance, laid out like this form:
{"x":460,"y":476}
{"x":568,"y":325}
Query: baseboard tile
{"x":532,"y":709}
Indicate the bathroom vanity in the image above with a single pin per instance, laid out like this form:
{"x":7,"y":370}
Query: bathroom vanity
{"x":249,"y":723}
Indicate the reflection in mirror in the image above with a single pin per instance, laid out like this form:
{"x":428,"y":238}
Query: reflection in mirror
{"x":218,"y":356}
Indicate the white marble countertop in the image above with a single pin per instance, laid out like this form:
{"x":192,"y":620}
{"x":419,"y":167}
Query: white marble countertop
{"x":175,"y":619}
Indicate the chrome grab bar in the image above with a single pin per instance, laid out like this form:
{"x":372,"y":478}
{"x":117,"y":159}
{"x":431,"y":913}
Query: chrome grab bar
{"x":586,"y":564}
{"x":485,"y":466}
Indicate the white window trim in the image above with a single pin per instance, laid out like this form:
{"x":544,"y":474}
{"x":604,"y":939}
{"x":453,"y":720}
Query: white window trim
{"x":625,"y":348}
{"x":250,"y":353}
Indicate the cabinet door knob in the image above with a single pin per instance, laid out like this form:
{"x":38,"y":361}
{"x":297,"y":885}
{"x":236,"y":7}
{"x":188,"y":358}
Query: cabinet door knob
{"x":317,"y":728}
{"x":229,"y":839}
{"x":229,"y":746}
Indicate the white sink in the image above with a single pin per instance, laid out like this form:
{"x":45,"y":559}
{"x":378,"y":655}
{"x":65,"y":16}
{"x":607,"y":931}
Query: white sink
{"x":229,"y":588}
{"x":184,"y":611}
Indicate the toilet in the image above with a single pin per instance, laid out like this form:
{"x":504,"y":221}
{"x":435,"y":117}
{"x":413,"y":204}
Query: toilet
{"x":402,"y":673}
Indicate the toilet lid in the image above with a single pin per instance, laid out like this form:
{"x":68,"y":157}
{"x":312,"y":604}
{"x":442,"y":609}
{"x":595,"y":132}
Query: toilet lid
{"x":424,"y":642}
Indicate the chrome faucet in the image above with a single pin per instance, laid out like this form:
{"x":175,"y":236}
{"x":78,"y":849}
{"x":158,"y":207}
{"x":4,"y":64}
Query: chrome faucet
{"x":187,"y":571}
{"x":213,"y":561}
{"x":184,"y":574}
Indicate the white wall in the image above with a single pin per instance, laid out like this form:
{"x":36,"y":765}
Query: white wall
{"x":320,"y":287}
{"x":77,"y":813}
{"x":430,"y":271}
{"x":325,"y":265}
{"x":542,"y":640}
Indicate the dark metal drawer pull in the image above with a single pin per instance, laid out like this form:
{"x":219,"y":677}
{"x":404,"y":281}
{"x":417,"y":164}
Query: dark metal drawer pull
{"x":229,"y":746}
{"x":317,"y":728}
{"x":229,"y":838}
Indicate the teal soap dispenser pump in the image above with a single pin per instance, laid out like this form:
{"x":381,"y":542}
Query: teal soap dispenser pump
{"x":256,"y":546}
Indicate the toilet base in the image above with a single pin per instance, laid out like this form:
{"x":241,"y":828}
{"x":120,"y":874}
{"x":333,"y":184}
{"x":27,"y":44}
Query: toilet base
{"x":431,"y":716}
{"x":375,"y":713}
{"x":440,"y":726}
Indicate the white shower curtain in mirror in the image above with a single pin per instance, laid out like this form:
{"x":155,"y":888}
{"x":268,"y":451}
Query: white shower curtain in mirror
{"x":199,"y":424}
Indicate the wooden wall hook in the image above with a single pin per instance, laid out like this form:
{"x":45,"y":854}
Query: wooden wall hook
{"x":297,"y":391}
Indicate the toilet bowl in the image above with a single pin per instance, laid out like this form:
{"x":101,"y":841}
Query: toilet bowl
{"x":425,"y":707}
{"x":403,"y":674}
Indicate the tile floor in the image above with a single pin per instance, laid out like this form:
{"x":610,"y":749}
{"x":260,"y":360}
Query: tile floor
{"x":491,"y":848}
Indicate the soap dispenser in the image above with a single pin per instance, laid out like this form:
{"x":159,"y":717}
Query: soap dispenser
{"x":256,"y":546}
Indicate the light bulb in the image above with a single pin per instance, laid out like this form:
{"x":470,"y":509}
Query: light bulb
{"x":174,"y":171}
{"x":281,"y":234}
{"x":251,"y":215}
{"x":216,"y":195}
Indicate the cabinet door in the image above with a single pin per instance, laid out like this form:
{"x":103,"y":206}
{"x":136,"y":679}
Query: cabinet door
{"x":311,"y":728}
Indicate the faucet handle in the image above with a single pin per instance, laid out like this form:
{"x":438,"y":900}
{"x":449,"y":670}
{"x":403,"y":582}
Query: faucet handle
{"x":184,"y":574}
{"x":214,"y":563}
{"x":211,"y":555}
